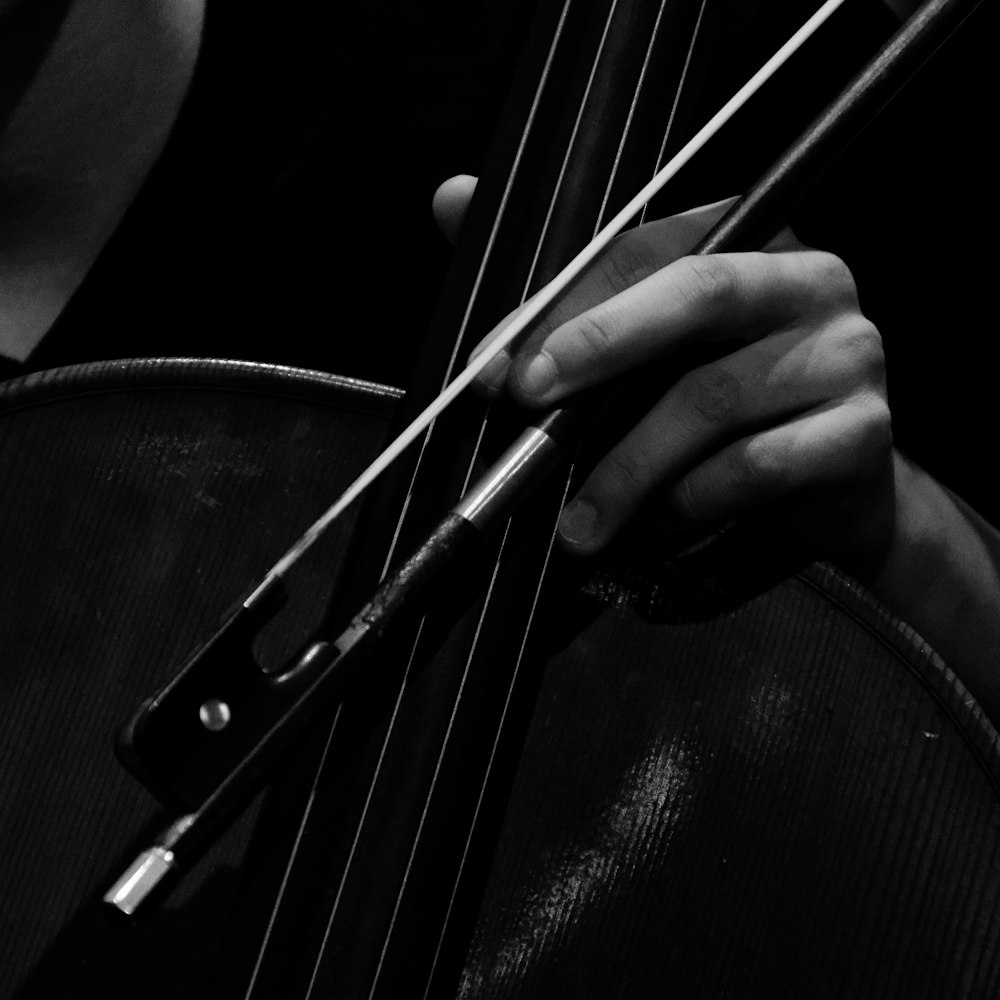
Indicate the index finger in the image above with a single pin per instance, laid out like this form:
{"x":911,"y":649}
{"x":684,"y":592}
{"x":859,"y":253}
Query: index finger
{"x":630,"y":258}
{"x":725,"y":296}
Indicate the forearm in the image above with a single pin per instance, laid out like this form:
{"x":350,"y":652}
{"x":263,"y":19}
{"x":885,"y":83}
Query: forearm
{"x":942,"y":575}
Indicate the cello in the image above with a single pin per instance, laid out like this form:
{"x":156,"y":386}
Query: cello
{"x":566,"y":906}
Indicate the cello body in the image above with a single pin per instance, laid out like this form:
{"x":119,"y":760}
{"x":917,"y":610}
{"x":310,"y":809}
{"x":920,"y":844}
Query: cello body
{"x":719,"y":783}
{"x":606,"y":783}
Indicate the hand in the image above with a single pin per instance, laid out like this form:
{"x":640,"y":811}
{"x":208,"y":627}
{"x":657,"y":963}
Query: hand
{"x":793,"y":414}
{"x":794,"y":418}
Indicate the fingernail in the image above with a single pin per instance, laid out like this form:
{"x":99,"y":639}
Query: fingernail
{"x":539,"y":376}
{"x":492,"y":377}
{"x":578,"y":522}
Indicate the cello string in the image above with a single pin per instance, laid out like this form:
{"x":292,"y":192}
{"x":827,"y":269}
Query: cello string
{"x":496,"y":742}
{"x":359,"y":827}
{"x":437,"y":769}
{"x":483,"y":265}
{"x":513,"y":173}
{"x":570,"y":145}
{"x":542,"y":234}
{"x":504,"y":335}
{"x":635,"y":100}
{"x":540,"y":240}
{"x":474,"y":645}
{"x":487,"y":605}
{"x":677,"y":99}
{"x":286,"y":875}
{"x":515,"y":673}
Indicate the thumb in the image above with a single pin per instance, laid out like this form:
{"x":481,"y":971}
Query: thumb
{"x":451,"y":202}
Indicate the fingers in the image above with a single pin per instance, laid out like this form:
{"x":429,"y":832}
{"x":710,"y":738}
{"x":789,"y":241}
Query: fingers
{"x":824,"y":447}
{"x":770,"y":419}
{"x":727,"y":296}
{"x":451,"y":203}
{"x":831,"y":445}
{"x":629,"y":259}
{"x":798,"y":403}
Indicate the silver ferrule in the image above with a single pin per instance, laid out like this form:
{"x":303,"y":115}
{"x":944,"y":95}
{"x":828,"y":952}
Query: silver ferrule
{"x":149,"y":869}
{"x":140,"y":879}
{"x":495,"y":495}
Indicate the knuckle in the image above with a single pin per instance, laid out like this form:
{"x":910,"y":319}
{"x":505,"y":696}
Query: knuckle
{"x":713,"y":392}
{"x":697,"y":497}
{"x":875,"y":424}
{"x":832,"y":276}
{"x":760,"y":467}
{"x":858,"y":347}
{"x":692,"y":499}
{"x":628,"y":471}
{"x":711,"y":279}
{"x":631,"y":257}
{"x":742,"y":476}
{"x":686,"y":500}
{"x":596,"y":329}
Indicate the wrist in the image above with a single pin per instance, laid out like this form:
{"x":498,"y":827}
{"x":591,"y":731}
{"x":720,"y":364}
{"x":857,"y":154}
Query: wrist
{"x":940,"y":574}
